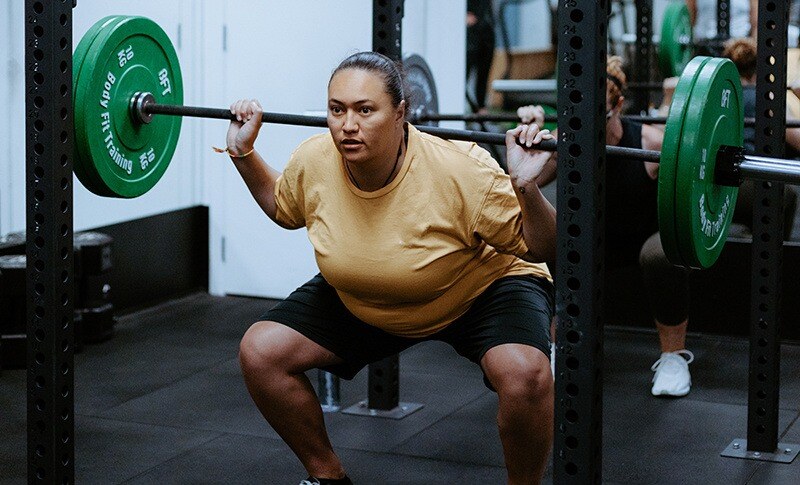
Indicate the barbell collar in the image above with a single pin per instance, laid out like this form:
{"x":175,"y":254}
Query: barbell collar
{"x":727,"y":169}
{"x":137,"y":107}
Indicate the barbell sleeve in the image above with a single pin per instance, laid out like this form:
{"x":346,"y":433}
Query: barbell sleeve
{"x":770,"y":169}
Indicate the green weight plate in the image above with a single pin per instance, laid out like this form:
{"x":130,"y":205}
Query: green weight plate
{"x":422,"y":96}
{"x":84,"y":165}
{"x":85,"y":176}
{"x":675,"y":46}
{"x":669,"y":160}
{"x":715,"y":117}
{"x":128,"y":55}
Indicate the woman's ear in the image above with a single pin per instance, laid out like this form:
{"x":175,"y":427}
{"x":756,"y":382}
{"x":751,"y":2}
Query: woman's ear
{"x":401,"y":111}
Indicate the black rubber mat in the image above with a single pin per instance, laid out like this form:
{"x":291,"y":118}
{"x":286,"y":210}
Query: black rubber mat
{"x":164,"y":402}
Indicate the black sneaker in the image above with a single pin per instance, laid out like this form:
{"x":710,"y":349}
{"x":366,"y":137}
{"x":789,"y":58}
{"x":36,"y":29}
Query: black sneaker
{"x":327,"y":481}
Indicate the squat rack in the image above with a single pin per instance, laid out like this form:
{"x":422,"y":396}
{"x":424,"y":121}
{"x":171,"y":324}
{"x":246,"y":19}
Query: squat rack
{"x":580,"y":267}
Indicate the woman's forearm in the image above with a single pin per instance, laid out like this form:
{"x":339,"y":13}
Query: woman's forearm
{"x":260,"y":179}
{"x":538,"y":222}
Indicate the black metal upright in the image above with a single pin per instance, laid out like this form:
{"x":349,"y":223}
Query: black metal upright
{"x":48,"y":153}
{"x":387,"y":23}
{"x":580,"y":271}
{"x":723,"y":19}
{"x":644,"y":47}
{"x":767,"y":249}
{"x":767,"y":254}
{"x":384,"y":376}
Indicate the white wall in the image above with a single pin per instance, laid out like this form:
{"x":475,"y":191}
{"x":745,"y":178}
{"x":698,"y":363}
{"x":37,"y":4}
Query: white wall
{"x":281,"y":54}
{"x":12,"y":130}
{"x":436,"y":29}
{"x":534,"y":25}
{"x":279,"y":51}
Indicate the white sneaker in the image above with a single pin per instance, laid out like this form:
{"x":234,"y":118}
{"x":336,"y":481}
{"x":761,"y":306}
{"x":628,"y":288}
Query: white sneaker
{"x":553,"y":359}
{"x":672,"y":374}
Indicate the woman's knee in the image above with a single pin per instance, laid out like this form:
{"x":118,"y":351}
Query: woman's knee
{"x":260,"y":347}
{"x":528,"y":379}
{"x":652,"y":254}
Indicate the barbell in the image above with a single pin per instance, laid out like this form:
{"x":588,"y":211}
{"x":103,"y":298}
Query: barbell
{"x":128,"y":97}
{"x":420,"y":116}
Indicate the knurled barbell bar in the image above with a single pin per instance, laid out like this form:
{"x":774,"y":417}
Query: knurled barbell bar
{"x":143,"y":106}
{"x":420,"y":117}
{"x":126,"y":72}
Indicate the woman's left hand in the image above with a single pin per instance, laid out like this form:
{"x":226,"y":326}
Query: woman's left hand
{"x":525,"y":163}
{"x":531,"y":114}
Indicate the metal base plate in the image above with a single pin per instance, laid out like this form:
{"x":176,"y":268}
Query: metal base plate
{"x":785,"y":453}
{"x":401,"y":411}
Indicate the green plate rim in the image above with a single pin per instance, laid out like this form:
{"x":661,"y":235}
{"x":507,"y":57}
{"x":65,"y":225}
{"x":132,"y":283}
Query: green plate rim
{"x":668,"y":49}
{"x":695,"y":253}
{"x":85,"y":176}
{"x":666,"y":27}
{"x":683,"y":53}
{"x":667,"y":173}
{"x":99,"y":188}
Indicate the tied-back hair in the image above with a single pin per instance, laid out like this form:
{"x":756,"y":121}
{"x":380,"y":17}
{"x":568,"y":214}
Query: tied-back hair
{"x":616,"y":80}
{"x":390,"y":71}
{"x":743,"y":53}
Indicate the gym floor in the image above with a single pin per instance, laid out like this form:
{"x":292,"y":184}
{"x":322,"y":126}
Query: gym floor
{"x":164,"y":402}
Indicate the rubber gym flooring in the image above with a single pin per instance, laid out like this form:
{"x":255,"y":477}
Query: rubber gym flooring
{"x":164,"y":402}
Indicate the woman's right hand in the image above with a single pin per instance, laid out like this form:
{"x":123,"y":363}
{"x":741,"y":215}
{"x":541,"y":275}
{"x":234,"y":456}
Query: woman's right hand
{"x":242,"y":132}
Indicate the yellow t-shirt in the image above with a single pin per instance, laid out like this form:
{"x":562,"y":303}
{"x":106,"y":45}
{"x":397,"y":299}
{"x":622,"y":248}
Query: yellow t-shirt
{"x":410,"y":257}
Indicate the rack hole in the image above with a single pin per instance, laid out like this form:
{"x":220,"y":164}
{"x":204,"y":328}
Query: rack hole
{"x":573,"y":363}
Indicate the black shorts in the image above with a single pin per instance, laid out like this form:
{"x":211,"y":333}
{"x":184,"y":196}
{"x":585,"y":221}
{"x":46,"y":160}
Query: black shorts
{"x":514,"y":309}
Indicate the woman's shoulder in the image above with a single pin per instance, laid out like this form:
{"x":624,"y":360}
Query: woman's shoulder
{"x":309,"y":154}
{"x":463,"y":155}
{"x":319,"y":144}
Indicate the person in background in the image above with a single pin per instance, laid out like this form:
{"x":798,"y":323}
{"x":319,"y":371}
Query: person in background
{"x":632,"y":219}
{"x":480,"y":49}
{"x":668,"y":285}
